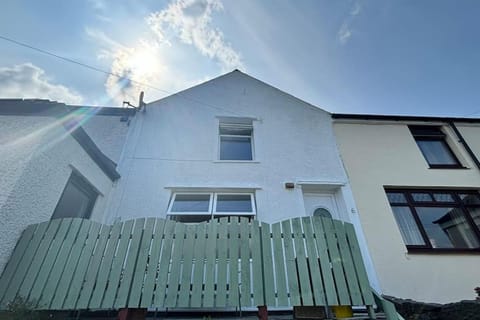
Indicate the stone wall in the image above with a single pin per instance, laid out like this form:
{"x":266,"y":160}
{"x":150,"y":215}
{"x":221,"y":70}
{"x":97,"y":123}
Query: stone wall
{"x":414,"y":310}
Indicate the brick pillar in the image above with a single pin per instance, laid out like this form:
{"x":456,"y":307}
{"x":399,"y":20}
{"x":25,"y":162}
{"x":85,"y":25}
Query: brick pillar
{"x":132,"y":314}
{"x":262,"y":313}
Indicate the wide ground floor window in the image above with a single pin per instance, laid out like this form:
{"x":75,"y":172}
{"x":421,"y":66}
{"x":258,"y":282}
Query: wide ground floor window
{"x":199,"y":207}
{"x":437,"y":220}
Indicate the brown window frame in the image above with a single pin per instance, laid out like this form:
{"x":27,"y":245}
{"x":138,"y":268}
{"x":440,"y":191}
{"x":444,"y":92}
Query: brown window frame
{"x":82,"y":185}
{"x":434,"y":133}
{"x":456,"y":203}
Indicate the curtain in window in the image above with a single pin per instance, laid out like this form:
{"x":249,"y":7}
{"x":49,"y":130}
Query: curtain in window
{"x":408,"y":227}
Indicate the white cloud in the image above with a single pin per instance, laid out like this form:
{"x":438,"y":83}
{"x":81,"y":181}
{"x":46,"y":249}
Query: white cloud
{"x":345,"y":32}
{"x":29,"y":81}
{"x":191,"y":22}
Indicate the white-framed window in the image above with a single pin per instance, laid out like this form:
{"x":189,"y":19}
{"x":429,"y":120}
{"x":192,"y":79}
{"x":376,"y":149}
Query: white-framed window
{"x":199,"y":207}
{"x":235,"y":141}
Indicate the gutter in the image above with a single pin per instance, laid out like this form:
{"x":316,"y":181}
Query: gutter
{"x":401,"y":118}
{"x":465,"y":144}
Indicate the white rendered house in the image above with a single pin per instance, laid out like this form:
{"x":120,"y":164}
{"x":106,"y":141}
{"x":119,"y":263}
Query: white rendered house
{"x":233,"y":146}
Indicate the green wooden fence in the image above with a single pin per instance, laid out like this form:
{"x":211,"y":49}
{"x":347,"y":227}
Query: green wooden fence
{"x":67,"y":264}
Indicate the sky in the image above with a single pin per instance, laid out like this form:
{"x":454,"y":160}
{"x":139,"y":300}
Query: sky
{"x":405,"y":57}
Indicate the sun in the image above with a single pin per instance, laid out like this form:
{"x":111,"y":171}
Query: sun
{"x":144,"y":61}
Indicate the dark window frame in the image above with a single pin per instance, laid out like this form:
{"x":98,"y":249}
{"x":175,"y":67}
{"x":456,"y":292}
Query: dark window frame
{"x":456,"y":203}
{"x":435,"y":133}
{"x":84,"y":186}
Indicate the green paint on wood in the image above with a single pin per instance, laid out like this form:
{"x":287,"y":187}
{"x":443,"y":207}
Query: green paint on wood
{"x":92,"y":271}
{"x":59,"y":267}
{"x":301,"y":259}
{"x":222,"y":242}
{"x":141,"y":267}
{"x":352,"y":281}
{"x":233,"y":258}
{"x":71,"y":265}
{"x":359,"y":266}
{"x":105,"y":267}
{"x":293,"y":286}
{"x":14,"y":264}
{"x":279,"y":266}
{"x":174,"y":279}
{"x":324,"y":260}
{"x":117,"y":264}
{"x":199,"y":256}
{"x":245,"y":288}
{"x":79,"y":270}
{"x":164,"y":264}
{"x":153,"y":264}
{"x":78,"y":264}
{"x":267,"y":261}
{"x":314,"y":267}
{"x":129,"y":269}
{"x":336,"y":261}
{"x":209,"y":292}
{"x":187,"y":259}
{"x":257,"y":272}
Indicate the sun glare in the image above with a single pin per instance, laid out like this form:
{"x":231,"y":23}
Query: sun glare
{"x":143,"y":62}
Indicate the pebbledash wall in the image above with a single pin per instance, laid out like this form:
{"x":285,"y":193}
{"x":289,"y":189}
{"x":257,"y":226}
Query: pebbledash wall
{"x":173,"y":147}
{"x":380,"y":154}
{"x":38,"y":156}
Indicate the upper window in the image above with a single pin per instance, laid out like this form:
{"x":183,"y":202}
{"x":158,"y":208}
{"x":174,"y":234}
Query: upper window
{"x":432,"y":144}
{"x":236,"y":141}
{"x":199,"y":207}
{"x":437,"y":219}
{"x":77,"y":200}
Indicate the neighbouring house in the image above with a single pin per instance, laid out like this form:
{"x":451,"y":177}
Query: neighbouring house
{"x":272,"y":164}
{"x":416,"y":183}
{"x":56,"y":161}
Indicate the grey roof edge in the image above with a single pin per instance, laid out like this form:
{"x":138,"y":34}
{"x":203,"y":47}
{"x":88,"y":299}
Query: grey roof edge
{"x":107,"y":165}
{"x":39,"y":107}
{"x":402,"y":118}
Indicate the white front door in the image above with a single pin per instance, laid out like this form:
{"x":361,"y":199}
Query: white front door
{"x":322,"y":204}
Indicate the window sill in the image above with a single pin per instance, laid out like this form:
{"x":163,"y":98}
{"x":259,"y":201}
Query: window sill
{"x":443,"y":251}
{"x":447,"y":167}
{"x":236,"y":161}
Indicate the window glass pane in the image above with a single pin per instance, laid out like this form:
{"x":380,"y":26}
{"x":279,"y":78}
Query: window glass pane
{"x":421,"y":197}
{"x":191,"y":203}
{"x":194,"y":218}
{"x":436,"y":152}
{"x":408,"y":227}
{"x":443,"y":197}
{"x":475,"y":214}
{"x":234,"y":203}
{"x":470,"y":198}
{"x":235,"y":148}
{"x":236,"y":130}
{"x":77,"y":200}
{"x":322,"y":212}
{"x":396,"y":197}
{"x":447,"y":228}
